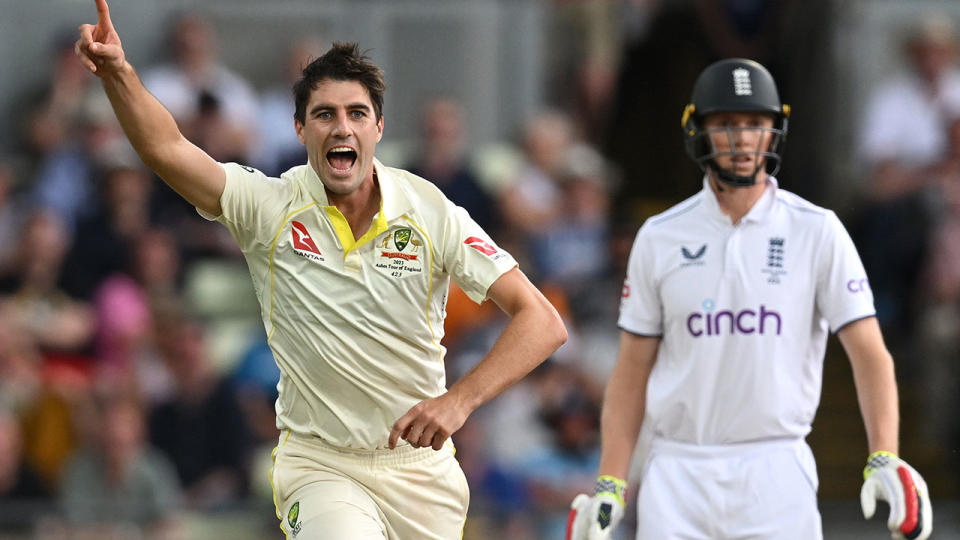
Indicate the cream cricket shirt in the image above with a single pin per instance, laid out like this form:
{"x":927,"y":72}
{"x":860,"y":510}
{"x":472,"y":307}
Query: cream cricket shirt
{"x":355,"y":326}
{"x":743,"y":311}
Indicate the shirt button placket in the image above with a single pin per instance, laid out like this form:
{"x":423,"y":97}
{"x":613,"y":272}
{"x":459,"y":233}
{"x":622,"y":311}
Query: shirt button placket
{"x":352,"y":262}
{"x":731,"y":254}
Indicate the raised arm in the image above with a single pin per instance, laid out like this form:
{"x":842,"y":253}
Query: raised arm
{"x":148,"y":125}
{"x":535,"y":330}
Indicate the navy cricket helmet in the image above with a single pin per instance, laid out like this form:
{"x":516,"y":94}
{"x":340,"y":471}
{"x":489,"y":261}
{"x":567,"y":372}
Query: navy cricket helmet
{"x":734,"y":85}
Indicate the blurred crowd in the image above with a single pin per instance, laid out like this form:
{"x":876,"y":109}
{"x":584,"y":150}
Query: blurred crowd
{"x":136,"y":386}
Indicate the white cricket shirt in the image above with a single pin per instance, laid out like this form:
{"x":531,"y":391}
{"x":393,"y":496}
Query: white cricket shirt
{"x":355,"y":327}
{"x":743,"y":311}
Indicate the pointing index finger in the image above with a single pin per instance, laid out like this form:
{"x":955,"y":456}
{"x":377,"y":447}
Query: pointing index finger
{"x":103,"y":13}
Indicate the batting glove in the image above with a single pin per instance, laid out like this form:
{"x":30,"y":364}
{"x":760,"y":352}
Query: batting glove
{"x":595,"y":518}
{"x":889,"y":478}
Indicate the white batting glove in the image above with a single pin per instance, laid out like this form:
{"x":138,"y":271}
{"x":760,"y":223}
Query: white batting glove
{"x":889,"y":478}
{"x":595,"y":518}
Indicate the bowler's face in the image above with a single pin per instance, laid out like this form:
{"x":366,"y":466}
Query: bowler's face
{"x":740,"y":139}
{"x":340,"y":131}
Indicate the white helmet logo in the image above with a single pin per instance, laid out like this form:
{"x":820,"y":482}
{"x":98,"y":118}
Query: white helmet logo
{"x":741,"y":82}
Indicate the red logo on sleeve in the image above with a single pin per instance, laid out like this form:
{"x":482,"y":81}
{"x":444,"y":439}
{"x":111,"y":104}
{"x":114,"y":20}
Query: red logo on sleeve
{"x":302,"y":239}
{"x":481,"y":246}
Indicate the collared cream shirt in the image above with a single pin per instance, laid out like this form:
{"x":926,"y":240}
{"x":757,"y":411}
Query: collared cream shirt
{"x":355,"y":326}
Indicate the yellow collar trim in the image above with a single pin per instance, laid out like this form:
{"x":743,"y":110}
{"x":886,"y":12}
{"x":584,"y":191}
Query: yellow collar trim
{"x":345,"y":234}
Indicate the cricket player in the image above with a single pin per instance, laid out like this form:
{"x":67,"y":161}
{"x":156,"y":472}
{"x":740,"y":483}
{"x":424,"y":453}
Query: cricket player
{"x":728,"y":300}
{"x":351,"y":261}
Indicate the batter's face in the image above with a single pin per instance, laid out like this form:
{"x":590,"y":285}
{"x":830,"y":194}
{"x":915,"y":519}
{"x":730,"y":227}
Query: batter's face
{"x":740,"y":139}
{"x":340,"y":131}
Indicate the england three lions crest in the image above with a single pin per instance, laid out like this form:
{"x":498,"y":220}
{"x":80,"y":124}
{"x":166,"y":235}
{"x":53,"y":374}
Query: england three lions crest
{"x":776,"y":251}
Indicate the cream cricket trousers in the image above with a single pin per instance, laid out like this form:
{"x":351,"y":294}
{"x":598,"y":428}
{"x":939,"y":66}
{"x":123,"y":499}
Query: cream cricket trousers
{"x":751,"y":491}
{"x":327,"y":493}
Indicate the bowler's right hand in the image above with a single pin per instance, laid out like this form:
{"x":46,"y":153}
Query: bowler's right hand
{"x":99,"y":46}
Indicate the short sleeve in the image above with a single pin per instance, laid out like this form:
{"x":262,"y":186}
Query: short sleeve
{"x":641,"y":311}
{"x":470,"y":256}
{"x":251,"y":204}
{"x":843,"y":290}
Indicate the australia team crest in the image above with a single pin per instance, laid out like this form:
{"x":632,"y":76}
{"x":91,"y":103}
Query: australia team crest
{"x":400,"y":253}
{"x":401,"y":237}
{"x":293,"y":519}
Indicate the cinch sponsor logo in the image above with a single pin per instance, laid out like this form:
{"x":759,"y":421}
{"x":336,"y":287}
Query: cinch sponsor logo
{"x":858,"y":285}
{"x":727,"y":322}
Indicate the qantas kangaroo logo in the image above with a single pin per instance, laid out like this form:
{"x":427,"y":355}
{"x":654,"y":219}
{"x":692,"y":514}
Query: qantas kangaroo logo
{"x":302,"y":239}
{"x":481,"y":246}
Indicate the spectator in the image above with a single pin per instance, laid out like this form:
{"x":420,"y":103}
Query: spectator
{"x":500,"y":505}
{"x":53,"y":111}
{"x":202,"y":93}
{"x":572,"y":250}
{"x":201,"y":427}
{"x":557,"y":472}
{"x":903,"y":136}
{"x":57,"y":321}
{"x":105,"y":241}
{"x":42,"y":392}
{"x":125,"y":347}
{"x":279,"y":147}
{"x":119,"y":482}
{"x":442,"y":159}
{"x":534,"y":199}
{"x":584,"y":57}
{"x":65,"y":182}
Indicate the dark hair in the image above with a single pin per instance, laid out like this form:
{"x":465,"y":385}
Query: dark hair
{"x":343,"y":62}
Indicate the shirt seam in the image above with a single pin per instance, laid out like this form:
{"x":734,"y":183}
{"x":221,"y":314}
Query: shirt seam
{"x":433,"y":335}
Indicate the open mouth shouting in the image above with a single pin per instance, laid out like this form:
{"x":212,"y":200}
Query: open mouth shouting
{"x":341,"y":159}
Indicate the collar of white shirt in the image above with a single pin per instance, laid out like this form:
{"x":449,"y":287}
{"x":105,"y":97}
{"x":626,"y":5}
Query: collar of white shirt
{"x":758,"y":213}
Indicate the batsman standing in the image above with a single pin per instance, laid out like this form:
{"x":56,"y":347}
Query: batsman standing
{"x":728,"y":300}
{"x":351,"y":261}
